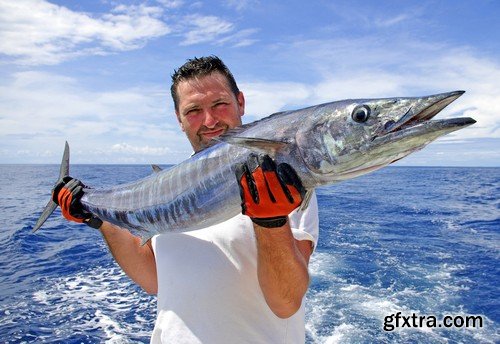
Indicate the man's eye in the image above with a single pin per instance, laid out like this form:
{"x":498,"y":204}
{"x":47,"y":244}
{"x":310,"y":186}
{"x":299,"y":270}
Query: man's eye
{"x":192,"y":112}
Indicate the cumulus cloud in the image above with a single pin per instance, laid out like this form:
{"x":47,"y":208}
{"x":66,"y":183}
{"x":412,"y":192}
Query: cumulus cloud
{"x":265,"y":98}
{"x":39,"y":32}
{"x":408,"y":69}
{"x":39,"y":111}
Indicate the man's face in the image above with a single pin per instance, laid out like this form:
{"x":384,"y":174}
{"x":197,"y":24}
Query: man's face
{"x":208,"y":108}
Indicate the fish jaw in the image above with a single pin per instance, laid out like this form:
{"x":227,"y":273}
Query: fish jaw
{"x":415,"y":137}
{"x":419,"y":110}
{"x":416,"y":129}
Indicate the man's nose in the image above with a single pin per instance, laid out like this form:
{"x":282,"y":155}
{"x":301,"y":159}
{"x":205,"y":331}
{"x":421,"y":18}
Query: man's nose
{"x":210,"y":119}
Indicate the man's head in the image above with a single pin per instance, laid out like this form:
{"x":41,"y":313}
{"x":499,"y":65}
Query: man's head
{"x":207,"y":100}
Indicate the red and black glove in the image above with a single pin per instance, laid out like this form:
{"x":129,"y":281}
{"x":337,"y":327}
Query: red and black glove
{"x":67,"y":194}
{"x":268,"y":192}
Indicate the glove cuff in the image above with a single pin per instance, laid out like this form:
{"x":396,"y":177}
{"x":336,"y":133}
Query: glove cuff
{"x":93,"y":222}
{"x":270,"y":222}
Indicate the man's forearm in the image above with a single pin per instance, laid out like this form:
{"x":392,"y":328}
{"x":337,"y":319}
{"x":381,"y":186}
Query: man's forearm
{"x":137,"y":261}
{"x":282,"y":268}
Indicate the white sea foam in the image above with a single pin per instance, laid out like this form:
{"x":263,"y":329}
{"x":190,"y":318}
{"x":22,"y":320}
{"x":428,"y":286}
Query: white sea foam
{"x":341,"y":334}
{"x":322,"y":264}
{"x":98,"y":299}
{"x":341,"y":311}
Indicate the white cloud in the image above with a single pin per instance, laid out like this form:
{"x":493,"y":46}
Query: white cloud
{"x":372,"y":68}
{"x":386,"y":22}
{"x":142,"y":150}
{"x":376,"y":18}
{"x":38,"y":32}
{"x":171,"y":3}
{"x":239,"y":39}
{"x":203,"y":29}
{"x":39,"y":111}
{"x":199,"y":29}
{"x":263,"y":99}
{"x":241,"y":5}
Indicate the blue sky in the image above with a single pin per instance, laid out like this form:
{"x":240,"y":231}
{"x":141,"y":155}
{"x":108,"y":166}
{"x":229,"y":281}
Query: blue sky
{"x":97,"y":73}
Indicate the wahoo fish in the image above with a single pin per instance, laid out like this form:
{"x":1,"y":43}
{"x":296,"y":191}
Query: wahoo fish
{"x":325,"y":144}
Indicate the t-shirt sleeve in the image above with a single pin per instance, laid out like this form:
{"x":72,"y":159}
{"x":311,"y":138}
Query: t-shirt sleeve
{"x":305,"y":224}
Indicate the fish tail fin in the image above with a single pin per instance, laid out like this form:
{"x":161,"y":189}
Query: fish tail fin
{"x":51,"y":205}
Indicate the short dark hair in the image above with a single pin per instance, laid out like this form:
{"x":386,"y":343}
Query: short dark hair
{"x":200,"y":66}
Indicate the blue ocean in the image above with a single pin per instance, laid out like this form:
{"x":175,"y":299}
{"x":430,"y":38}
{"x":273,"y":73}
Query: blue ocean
{"x":402,"y":240}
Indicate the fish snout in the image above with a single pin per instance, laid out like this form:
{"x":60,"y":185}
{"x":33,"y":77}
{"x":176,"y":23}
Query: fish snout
{"x":420,"y":110}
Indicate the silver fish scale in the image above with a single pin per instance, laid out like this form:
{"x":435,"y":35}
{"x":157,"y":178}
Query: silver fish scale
{"x":197,"y":193}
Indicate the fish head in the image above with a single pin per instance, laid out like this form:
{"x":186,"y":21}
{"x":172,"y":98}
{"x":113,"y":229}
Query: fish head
{"x":353,"y":137}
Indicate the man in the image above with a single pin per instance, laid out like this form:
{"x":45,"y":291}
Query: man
{"x":241,"y":281}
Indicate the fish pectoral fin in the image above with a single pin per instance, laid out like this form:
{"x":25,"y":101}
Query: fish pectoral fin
{"x":257,"y":144}
{"x":306,"y":200}
{"x":156,"y":168}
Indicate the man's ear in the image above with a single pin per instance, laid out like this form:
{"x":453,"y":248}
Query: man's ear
{"x":179,"y":119}
{"x":241,"y":103}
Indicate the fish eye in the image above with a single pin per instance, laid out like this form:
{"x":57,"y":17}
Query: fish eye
{"x":361,"y":113}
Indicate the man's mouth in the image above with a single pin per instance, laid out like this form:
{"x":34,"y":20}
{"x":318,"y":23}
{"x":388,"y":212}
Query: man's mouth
{"x":213,"y":133}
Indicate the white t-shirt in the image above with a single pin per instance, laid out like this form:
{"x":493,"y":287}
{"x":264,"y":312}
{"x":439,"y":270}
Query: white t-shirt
{"x":208,"y":291}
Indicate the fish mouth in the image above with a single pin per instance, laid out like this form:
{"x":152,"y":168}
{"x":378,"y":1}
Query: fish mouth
{"x":416,"y":129}
{"x":403,"y":129}
{"x":416,"y":122}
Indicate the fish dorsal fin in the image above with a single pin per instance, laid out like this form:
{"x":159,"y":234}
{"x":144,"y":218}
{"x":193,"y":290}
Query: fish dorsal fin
{"x":265,"y":146}
{"x":156,"y":168}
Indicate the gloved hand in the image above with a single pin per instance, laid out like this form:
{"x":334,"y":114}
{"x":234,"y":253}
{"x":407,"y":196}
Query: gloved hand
{"x":268,"y":192}
{"x":67,"y":194}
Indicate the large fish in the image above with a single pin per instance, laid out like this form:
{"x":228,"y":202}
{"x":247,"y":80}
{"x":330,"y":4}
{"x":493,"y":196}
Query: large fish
{"x":325,"y":144}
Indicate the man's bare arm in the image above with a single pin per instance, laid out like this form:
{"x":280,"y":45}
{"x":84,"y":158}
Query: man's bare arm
{"x":282,"y":268}
{"x":137,"y":261}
